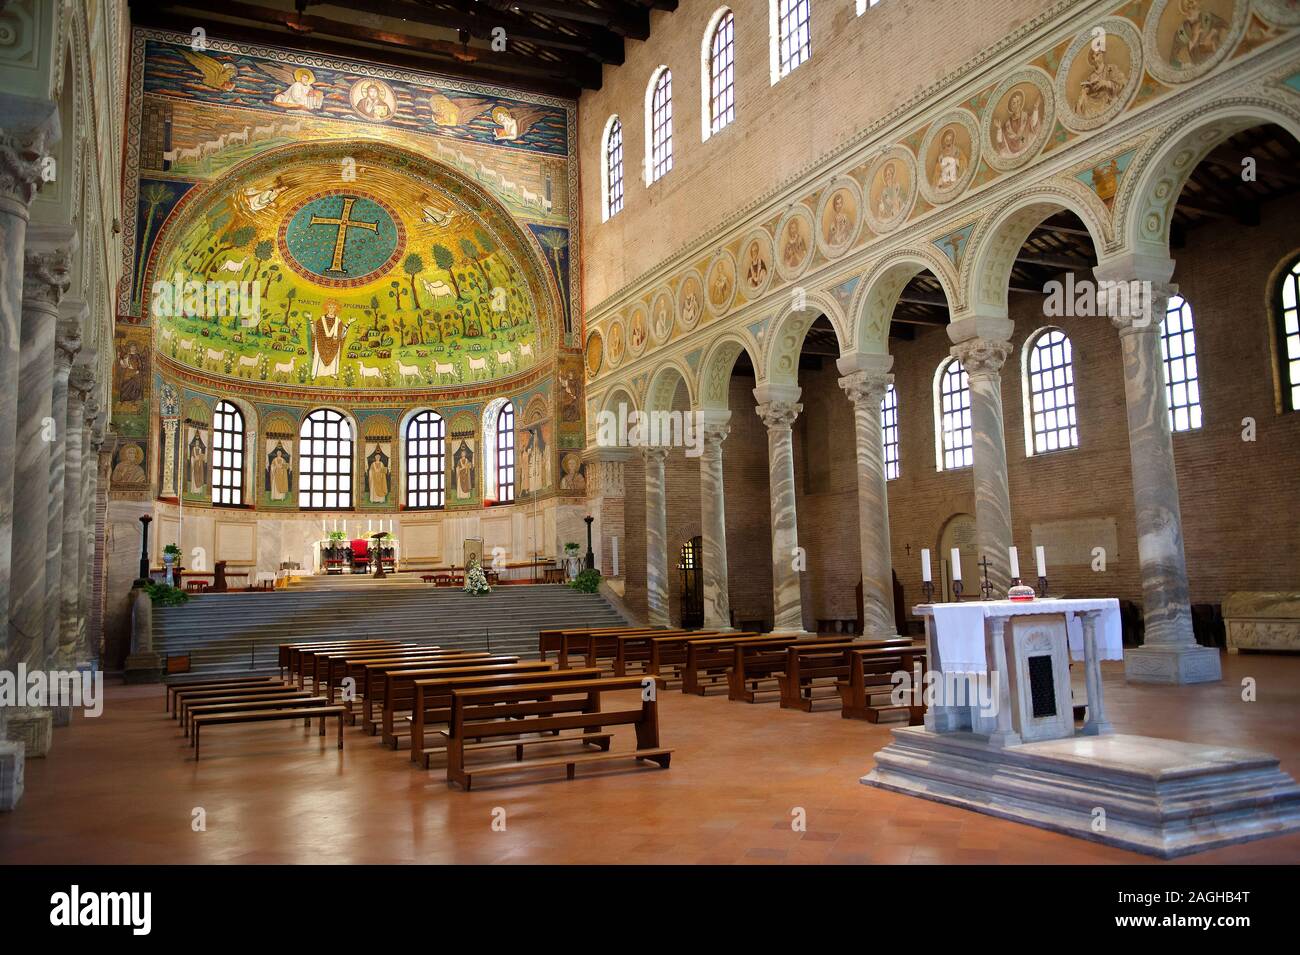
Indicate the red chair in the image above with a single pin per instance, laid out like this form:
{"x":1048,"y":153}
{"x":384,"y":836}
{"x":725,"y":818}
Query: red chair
{"x":361,"y":554}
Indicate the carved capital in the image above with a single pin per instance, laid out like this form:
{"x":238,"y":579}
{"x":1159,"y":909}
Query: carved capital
{"x":90,"y":411}
{"x":20,"y":166}
{"x":81,"y":380}
{"x":779,"y":415}
{"x":982,"y":356}
{"x":1135,"y":306}
{"x":653,"y":454}
{"x":46,"y":276}
{"x":67,"y":342}
{"x":866,"y":388}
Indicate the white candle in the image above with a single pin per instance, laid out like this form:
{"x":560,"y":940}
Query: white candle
{"x":370,"y":526}
{"x":1015,"y":563}
{"x":322,"y":528}
{"x":1042,"y":560}
{"x":956,"y":564}
{"x":925,"y":565}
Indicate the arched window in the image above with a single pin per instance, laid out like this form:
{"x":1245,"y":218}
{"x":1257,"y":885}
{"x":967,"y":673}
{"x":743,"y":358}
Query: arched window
{"x":227,"y":454}
{"x":719,"y":86}
{"x":325,"y":461}
{"x":426,"y":452}
{"x":505,"y":452}
{"x":659,"y":125}
{"x":953,"y":438}
{"x":612,"y":170}
{"x":791,"y":35}
{"x":1288,"y":336}
{"x":889,"y":432}
{"x":1182,"y":381}
{"x":1051,"y":423}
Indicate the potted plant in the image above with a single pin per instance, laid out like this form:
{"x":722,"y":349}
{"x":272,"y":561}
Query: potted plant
{"x":171,"y":554}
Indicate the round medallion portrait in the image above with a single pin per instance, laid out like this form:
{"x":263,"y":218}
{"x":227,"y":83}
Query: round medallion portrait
{"x":1099,"y":74}
{"x":661,"y":316}
{"x":795,"y":240}
{"x":638,"y":332}
{"x":891,"y":189}
{"x":949,"y":155}
{"x":720,"y":284}
{"x":1019,"y":120}
{"x":594,"y":354}
{"x":755,"y":263}
{"x":839,"y":216}
{"x":1185,"y":39}
{"x":690,"y":300}
{"x":617,"y":342}
{"x":373,"y":100}
{"x":341,"y":238}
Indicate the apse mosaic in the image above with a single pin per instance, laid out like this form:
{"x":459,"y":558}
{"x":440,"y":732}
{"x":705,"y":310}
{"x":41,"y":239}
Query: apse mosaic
{"x":358,"y":266}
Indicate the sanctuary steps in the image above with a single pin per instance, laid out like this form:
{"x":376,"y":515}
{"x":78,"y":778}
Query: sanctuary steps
{"x":240,"y":632}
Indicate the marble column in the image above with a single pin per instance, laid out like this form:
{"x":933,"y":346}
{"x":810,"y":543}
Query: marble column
{"x":46,"y":276}
{"x":713,"y":521}
{"x":605,"y":497}
{"x":983,"y":359}
{"x":778,"y":407}
{"x":30,"y":129}
{"x":1169,"y":653}
{"x":866,"y":388}
{"x":67,"y":343}
{"x":75,"y":457}
{"x":91,"y":471}
{"x":656,"y":537}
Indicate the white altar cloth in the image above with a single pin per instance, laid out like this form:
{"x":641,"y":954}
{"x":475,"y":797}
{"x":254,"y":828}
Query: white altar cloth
{"x":959,"y":628}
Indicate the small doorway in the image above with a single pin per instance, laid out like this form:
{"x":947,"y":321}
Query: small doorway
{"x":958,"y":533}
{"x":688,"y":565}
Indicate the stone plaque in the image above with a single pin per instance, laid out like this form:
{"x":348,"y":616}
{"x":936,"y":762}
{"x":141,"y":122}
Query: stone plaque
{"x":1071,"y":543}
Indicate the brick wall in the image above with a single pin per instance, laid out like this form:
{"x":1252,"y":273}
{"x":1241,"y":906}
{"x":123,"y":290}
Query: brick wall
{"x":861,"y":68}
{"x":1240,"y":501}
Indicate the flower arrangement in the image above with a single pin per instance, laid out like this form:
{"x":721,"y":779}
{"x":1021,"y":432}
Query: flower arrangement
{"x":338,"y":535}
{"x":475,"y":580}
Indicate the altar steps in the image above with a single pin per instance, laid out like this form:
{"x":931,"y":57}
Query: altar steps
{"x":240,"y":632}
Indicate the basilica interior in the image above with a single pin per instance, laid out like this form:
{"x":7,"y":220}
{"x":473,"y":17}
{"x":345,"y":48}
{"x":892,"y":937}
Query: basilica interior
{"x":851,"y":431}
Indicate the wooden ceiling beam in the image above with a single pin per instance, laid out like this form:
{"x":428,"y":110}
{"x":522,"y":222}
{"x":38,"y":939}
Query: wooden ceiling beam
{"x":625,"y":21}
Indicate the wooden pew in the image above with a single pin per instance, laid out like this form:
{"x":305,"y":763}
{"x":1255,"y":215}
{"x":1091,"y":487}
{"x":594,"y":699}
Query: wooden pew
{"x":817,"y":666}
{"x":333,"y":668}
{"x":707,"y":660}
{"x":303,"y":658}
{"x":289,"y":652}
{"x":373,"y":674}
{"x":299,"y":698}
{"x":591,"y":645}
{"x":432,"y":703}
{"x":229,"y":681}
{"x":755,"y":664}
{"x":185,"y":707}
{"x":870,"y":674}
{"x":549,"y":640}
{"x":671,"y":652}
{"x":484,"y":714}
{"x":182,"y":698}
{"x":266,"y":716}
{"x":635,"y":647}
{"x":399,"y":688}
{"x":355,"y":669}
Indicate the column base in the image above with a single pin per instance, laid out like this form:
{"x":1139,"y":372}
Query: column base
{"x":11,"y":774}
{"x":33,"y":727}
{"x":143,"y":668}
{"x":1177,"y":664}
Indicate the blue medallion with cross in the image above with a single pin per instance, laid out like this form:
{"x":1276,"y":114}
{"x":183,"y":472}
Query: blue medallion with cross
{"x":341,"y":239}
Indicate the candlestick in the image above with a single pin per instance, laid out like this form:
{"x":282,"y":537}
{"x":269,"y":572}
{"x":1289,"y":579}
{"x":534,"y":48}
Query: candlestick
{"x":956,"y":564}
{"x":1042,"y":585}
{"x":1015,"y":562}
{"x":1041,"y":556}
{"x":925,"y":565}
{"x":927,"y":587}
{"x":986,"y":588}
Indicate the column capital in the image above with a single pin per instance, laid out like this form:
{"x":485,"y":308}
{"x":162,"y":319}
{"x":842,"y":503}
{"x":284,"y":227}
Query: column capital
{"x":779,"y":415}
{"x":81,"y":381}
{"x":981,"y":356}
{"x":865,"y":387}
{"x":67,"y":342}
{"x":31,"y":129}
{"x":47,"y":265}
{"x":654,"y":453}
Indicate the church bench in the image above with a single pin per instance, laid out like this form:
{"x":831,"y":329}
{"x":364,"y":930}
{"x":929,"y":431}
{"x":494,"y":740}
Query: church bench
{"x":333,"y":669}
{"x":267,"y":716}
{"x":635,"y":647}
{"x":809,"y":668}
{"x":296,"y":700}
{"x":706,"y":660}
{"x":432,"y":699}
{"x":483,"y":714}
{"x":355,"y":669}
{"x":230,"y":681}
{"x":182,"y":698}
{"x":549,"y":640}
{"x":399,"y":688}
{"x":184,"y":707}
{"x":292,"y":653}
{"x":372,"y":679}
{"x":305,"y":658}
{"x":756,"y":663}
{"x":871,"y":674}
{"x":669,"y":651}
{"x":590,"y":645}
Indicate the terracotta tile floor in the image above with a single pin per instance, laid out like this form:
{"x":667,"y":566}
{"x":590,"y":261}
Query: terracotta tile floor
{"x":122,"y":789}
